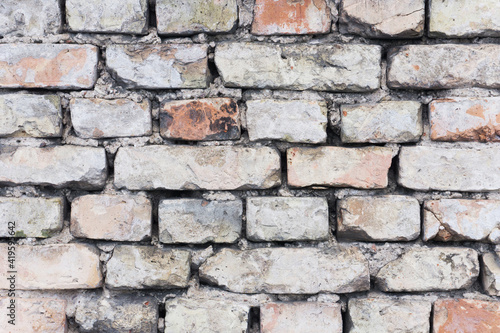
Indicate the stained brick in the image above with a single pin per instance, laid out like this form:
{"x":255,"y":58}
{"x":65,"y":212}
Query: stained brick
{"x":59,"y":166}
{"x":164,"y":66}
{"x":190,"y":168}
{"x":30,"y":18}
{"x":449,"y":169}
{"x":286,"y":17}
{"x":112,"y":217}
{"x":99,"y":118}
{"x":30,"y":115}
{"x":301,"y":317}
{"x":33,"y":217}
{"x":203,"y":119}
{"x":490,"y":273}
{"x":466,"y":315}
{"x":59,"y":66}
{"x":58,"y":266}
{"x":339,"y":167}
{"x":444,"y":66}
{"x":464,"y":119}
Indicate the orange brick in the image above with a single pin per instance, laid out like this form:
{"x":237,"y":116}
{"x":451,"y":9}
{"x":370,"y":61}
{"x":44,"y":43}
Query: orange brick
{"x":466,"y":316}
{"x":291,"y":17}
{"x":203,"y":119}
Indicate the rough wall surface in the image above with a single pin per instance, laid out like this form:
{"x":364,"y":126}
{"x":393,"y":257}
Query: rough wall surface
{"x":250,"y":166}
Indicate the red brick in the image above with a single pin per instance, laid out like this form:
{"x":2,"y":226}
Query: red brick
{"x":466,"y":316}
{"x":203,"y":119}
{"x":290,"y":17}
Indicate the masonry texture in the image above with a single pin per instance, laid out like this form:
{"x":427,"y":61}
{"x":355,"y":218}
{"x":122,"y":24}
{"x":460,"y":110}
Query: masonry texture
{"x":250,"y":166}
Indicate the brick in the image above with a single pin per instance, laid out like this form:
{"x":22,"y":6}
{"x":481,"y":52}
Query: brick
{"x":287,"y":219}
{"x":120,"y":313}
{"x":111,"y":217}
{"x":96,"y":118}
{"x":55,"y":267}
{"x":58,"y":166}
{"x":466,"y":315}
{"x":430,"y":269}
{"x":383,"y":19}
{"x":449,"y":169}
{"x":205,"y":315}
{"x":37,"y":116}
{"x":443,"y":66}
{"x":194,"y":168}
{"x":334,"y":166}
{"x":379,"y":218}
{"x":52,"y":66}
{"x":41,"y":315}
{"x":285,"y":17}
{"x":145,"y":267}
{"x":395,"y":122}
{"x":198,"y":221}
{"x":33,"y":217}
{"x":165,"y":66}
{"x":195,"y":16}
{"x":333,"y":67}
{"x":118,"y":16}
{"x":287,"y":270}
{"x":292,"y":121}
{"x":459,"y":219}
{"x":301,"y":317}
{"x":462,"y":18}
{"x":490,"y":273}
{"x":202,"y":119}
{"x":388,"y":315}
{"x":30,"y":18}
{"x":465,"y":119}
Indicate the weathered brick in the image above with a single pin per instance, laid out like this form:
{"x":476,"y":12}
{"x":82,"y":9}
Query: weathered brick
{"x":398,"y":121}
{"x":58,"y":266}
{"x":33,"y":217}
{"x":380,"y":218}
{"x":99,"y":118}
{"x":205,"y":315}
{"x":143,"y":267}
{"x":460,"y":219}
{"x":339,"y":167}
{"x":195,"y":16}
{"x":285,"y":17}
{"x":190,"y":168}
{"x":202,"y":119}
{"x":465,"y":119}
{"x":462,"y":18}
{"x":30,"y":115}
{"x":59,"y":166}
{"x":123,"y":313}
{"x":292,"y":121}
{"x":165,"y":66}
{"x":430,"y":269}
{"x":332,"y":67}
{"x":288,"y":270}
{"x":383,"y":19}
{"x":287,"y":219}
{"x":490,"y":273}
{"x":41,"y":315}
{"x":444,"y":66}
{"x":59,"y":66}
{"x":111,"y":217}
{"x":119,"y":16}
{"x":30,"y":18}
{"x":449,"y":169}
{"x":301,"y":317}
{"x":466,"y":315}
{"x":199,"y":221}
{"x":367,"y":315}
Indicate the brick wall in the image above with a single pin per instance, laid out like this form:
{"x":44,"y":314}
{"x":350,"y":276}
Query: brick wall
{"x":250,"y":166}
